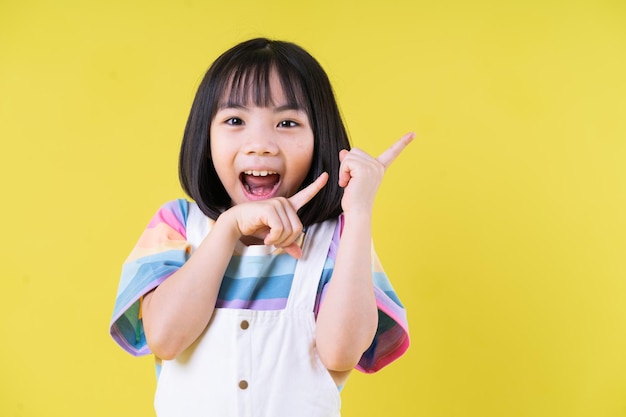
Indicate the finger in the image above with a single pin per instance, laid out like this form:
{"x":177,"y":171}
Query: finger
{"x":344,"y":175}
{"x":291,"y":226}
{"x":294,"y":250}
{"x":387,"y":157}
{"x":305,"y":195}
{"x":290,"y":231}
{"x":279,"y":224}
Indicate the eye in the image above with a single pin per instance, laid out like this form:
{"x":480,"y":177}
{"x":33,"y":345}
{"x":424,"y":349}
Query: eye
{"x":234,"y":121}
{"x":287,"y":123}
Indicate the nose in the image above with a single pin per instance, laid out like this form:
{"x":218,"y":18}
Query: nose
{"x":261,"y":142}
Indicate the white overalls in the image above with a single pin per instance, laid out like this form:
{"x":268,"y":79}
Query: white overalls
{"x":251,"y":363}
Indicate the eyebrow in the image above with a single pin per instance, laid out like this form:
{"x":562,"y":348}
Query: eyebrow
{"x":235,"y":105}
{"x":230,"y":105}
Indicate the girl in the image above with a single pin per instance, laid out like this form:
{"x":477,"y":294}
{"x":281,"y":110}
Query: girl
{"x":260,"y":297}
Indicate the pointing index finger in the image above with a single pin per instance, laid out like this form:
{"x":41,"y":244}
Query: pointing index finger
{"x":305,"y":195}
{"x":387,"y":157}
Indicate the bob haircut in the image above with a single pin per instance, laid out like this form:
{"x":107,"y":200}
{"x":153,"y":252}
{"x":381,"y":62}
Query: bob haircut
{"x":242,"y":74}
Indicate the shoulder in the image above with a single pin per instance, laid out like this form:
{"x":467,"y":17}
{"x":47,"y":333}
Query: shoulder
{"x":178,"y":208}
{"x":172,"y":214}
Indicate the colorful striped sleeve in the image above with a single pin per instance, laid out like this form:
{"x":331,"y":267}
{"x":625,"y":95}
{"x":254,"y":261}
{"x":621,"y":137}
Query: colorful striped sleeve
{"x":161,"y":250}
{"x":392,"y":336}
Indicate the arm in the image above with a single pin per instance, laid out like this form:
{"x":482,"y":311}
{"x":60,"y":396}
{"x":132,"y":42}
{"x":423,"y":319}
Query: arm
{"x":178,"y":310}
{"x":348,"y":317}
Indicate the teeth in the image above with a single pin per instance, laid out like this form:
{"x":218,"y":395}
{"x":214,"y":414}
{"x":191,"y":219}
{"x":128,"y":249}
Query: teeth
{"x":259,"y":173}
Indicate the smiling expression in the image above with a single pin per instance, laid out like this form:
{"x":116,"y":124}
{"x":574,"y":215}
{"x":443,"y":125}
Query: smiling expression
{"x":261,"y":152}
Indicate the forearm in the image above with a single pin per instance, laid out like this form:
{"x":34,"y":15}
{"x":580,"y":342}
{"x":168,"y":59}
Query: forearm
{"x":179,"y":309}
{"x":348,"y":316}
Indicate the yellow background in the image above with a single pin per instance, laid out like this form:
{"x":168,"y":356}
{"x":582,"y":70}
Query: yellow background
{"x":502,"y":227}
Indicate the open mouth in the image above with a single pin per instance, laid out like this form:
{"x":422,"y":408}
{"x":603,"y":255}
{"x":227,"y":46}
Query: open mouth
{"x":260,"y":184}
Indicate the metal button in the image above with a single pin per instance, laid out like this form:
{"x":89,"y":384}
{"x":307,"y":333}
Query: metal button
{"x":245,"y":324}
{"x":243,"y":384}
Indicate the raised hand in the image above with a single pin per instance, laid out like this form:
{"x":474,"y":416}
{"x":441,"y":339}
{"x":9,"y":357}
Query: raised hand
{"x":360,"y":174}
{"x":275,"y":221}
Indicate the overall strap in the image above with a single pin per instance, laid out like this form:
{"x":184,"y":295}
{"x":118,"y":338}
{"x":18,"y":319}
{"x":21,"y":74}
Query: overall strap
{"x":310,"y":266}
{"x":308,"y":269}
{"x":198,"y":225}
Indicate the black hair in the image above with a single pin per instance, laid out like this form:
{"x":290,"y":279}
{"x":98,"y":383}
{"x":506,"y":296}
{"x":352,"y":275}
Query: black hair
{"x":243,"y":72}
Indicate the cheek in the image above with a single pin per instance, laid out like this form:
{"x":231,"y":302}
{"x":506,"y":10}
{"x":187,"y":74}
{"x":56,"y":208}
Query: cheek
{"x":221,"y":160}
{"x":304,"y":159}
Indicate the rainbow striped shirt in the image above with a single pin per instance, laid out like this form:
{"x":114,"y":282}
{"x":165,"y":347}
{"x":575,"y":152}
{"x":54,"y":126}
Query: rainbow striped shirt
{"x":250,"y":282}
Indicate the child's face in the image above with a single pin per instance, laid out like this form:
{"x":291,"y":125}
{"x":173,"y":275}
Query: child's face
{"x":261,"y":152}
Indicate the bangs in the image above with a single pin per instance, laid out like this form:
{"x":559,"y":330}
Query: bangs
{"x":249,"y":84}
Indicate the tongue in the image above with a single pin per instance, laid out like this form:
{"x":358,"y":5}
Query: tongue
{"x":260,"y":186}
